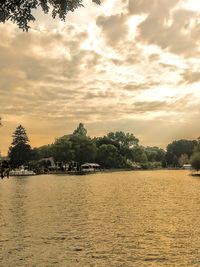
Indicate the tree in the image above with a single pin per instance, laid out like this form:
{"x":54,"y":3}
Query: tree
{"x":195,"y":161}
{"x":20,"y":12}
{"x":125,"y":140}
{"x":108,"y":156}
{"x":183,"y":159}
{"x":195,"y":158}
{"x":137,"y":154}
{"x":155,"y":154}
{"x":197,"y":147}
{"x":0,"y":126}
{"x":19,"y":151}
{"x":62,"y":150}
{"x":20,"y":136}
{"x":178,"y":148}
{"x":105,"y":140}
{"x":43,"y":152}
{"x":84,"y":150}
{"x":175,"y":162}
{"x":80,"y":130}
{"x":82,"y":146}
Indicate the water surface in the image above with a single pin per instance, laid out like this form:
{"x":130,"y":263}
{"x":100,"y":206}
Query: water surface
{"x":142,"y":218}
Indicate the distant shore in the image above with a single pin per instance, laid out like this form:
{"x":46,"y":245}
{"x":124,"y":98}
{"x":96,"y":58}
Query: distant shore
{"x":119,"y":170}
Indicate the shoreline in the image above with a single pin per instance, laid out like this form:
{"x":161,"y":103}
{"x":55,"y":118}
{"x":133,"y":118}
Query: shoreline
{"x":114,"y":170}
{"x":82,"y":173}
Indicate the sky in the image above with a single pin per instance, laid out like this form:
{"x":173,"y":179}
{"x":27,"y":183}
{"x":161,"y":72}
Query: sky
{"x":130,"y":65}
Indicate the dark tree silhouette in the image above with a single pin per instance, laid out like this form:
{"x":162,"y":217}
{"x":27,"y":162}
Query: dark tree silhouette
{"x":80,"y":130}
{"x":178,"y":148}
{"x":20,"y":136}
{"x":20,"y":11}
{"x":195,"y":161}
{"x":20,"y":151}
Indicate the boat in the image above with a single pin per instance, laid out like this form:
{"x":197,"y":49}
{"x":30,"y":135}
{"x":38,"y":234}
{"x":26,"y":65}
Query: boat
{"x":187,"y":167}
{"x":86,"y":168}
{"x":21,"y":172}
{"x":90,"y":168}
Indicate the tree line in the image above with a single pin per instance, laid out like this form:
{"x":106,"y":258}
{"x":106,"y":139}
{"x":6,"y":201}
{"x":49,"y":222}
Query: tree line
{"x":114,"y":150}
{"x":22,"y":12}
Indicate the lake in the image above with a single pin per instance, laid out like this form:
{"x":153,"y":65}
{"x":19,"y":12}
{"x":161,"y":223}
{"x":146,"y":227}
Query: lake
{"x":136,"y":218}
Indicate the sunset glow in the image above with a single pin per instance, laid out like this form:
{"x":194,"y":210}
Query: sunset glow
{"x":126,"y":65}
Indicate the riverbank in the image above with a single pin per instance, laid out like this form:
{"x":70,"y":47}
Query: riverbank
{"x":102,"y":171}
{"x":113,"y":171}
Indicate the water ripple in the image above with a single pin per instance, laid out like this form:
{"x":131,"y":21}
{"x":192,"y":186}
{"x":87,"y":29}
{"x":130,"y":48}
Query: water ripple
{"x":114,"y":219}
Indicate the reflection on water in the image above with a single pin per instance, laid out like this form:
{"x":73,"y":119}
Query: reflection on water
{"x":149,"y":218}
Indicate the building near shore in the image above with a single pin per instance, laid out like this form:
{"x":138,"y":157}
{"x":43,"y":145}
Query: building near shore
{"x":187,"y":166}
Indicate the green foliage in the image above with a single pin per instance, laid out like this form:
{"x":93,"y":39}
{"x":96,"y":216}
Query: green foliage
{"x":19,"y":136}
{"x":123,"y":139}
{"x":44,"y":163}
{"x":164,"y":163}
{"x":62,"y":150}
{"x":151,"y":165}
{"x":178,"y":148}
{"x":175,"y":162}
{"x":111,"y":151}
{"x":75,"y":147}
{"x":195,"y":161}
{"x":115,"y":150}
{"x":108,"y":156}
{"x":43,"y":152}
{"x":20,"y":12}
{"x":84,"y":150}
{"x":195,"y":158}
{"x":20,"y":151}
{"x":197,"y":147}
{"x":137,"y":154}
{"x":155,"y":154}
{"x":124,"y":142}
{"x":80,"y":130}
{"x":183,"y":160}
{"x":143,"y":158}
{"x":19,"y":155}
{"x":99,"y":141}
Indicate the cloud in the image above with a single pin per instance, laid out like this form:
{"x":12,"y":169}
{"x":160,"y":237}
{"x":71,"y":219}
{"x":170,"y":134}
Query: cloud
{"x":111,"y":70}
{"x":114,"y":28}
{"x":177,"y":105}
{"x":141,"y":86}
{"x":190,"y":76}
{"x":152,"y":7}
{"x":167,"y":25}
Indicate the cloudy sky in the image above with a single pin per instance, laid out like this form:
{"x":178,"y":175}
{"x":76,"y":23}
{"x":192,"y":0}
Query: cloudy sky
{"x":126,"y":65}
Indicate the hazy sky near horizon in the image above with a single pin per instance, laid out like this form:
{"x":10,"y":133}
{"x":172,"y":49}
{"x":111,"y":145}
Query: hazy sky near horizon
{"x":125,"y":65}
